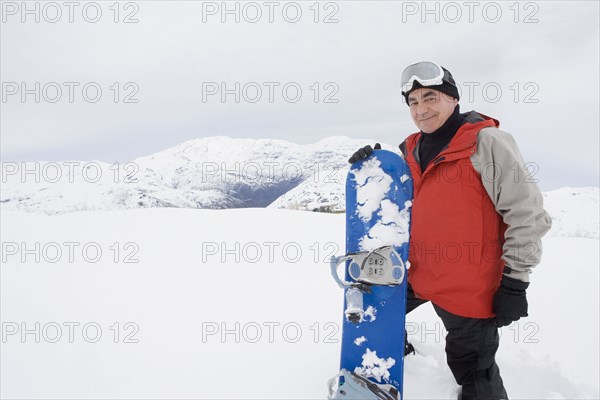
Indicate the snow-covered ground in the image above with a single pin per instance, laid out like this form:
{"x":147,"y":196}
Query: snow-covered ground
{"x":221,"y":304}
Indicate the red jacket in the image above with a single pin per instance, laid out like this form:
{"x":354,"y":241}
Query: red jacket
{"x":456,"y":233}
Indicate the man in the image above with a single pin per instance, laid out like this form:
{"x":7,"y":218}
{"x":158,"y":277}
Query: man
{"x":477,"y":224}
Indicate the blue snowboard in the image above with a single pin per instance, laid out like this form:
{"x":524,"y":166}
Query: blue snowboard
{"x":379,"y":193}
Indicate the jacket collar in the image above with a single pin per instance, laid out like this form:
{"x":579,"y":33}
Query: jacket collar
{"x":462,"y":145}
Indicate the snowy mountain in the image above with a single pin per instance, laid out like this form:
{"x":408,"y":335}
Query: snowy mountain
{"x":324,"y":192}
{"x":215,"y":173}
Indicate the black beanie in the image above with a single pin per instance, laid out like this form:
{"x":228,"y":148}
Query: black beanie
{"x":448,"y":86}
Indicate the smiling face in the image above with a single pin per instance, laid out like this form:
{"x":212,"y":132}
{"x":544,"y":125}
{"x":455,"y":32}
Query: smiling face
{"x":430,"y":108}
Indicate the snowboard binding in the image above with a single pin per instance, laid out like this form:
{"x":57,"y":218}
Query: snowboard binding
{"x":352,"y":386}
{"x":380,"y":267}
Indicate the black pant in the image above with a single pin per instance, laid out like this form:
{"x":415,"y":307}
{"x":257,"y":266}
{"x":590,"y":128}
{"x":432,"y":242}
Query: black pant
{"x":471,"y":345}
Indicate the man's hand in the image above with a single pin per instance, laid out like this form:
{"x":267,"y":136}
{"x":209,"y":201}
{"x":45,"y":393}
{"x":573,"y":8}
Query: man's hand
{"x":363,"y":153}
{"x":510,"y":301}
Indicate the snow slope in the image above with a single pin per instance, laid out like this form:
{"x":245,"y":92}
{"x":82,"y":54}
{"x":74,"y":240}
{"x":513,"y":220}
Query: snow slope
{"x":240,"y":304}
{"x":575,"y":212}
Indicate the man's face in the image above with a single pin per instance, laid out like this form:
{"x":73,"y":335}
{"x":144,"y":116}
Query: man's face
{"x":430,"y":108}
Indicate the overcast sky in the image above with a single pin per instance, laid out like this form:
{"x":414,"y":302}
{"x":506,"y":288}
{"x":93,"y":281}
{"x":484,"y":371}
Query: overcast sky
{"x":532,"y":65}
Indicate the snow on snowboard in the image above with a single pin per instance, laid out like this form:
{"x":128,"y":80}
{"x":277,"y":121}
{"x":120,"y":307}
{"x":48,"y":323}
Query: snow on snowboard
{"x":379,"y":193}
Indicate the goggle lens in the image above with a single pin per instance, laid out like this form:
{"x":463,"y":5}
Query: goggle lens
{"x":426,"y":73}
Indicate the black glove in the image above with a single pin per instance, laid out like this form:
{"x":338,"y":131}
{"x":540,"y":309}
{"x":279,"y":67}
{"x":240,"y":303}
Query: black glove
{"x":363,"y":153}
{"x":510,"y":301}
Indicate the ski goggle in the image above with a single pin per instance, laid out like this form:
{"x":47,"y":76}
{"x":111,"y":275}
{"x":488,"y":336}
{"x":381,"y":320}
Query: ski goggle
{"x":426,"y":73}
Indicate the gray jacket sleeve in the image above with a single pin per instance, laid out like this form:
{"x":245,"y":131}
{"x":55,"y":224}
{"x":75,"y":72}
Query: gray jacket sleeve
{"x":516,"y":197}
